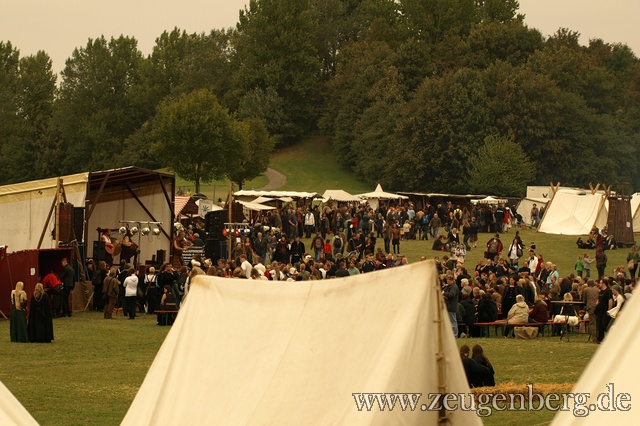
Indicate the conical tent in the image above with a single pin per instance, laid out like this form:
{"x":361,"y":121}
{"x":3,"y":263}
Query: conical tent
{"x":380,"y":194}
{"x":257,"y":352}
{"x":611,"y":377}
{"x":12,"y":412}
{"x":574,"y":213}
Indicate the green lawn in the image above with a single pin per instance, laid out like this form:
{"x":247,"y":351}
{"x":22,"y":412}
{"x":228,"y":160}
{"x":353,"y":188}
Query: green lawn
{"x":310,"y":165}
{"x":92,"y":371}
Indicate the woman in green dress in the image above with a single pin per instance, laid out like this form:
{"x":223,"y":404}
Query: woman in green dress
{"x":18,"y":323}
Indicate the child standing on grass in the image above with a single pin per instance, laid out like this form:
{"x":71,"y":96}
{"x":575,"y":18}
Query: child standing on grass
{"x":586,"y":265}
{"x":579,"y":267}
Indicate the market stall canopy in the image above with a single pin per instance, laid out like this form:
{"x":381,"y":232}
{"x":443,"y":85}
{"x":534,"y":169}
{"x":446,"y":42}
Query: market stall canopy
{"x":255,"y":206}
{"x":381,"y":195}
{"x":339,"y":195}
{"x":490,"y":200}
{"x":262,"y":199}
{"x":275,"y":194}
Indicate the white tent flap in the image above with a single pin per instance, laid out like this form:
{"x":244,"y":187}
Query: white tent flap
{"x":379,"y":194}
{"x":572,"y":213}
{"x":12,"y":412}
{"x":259,"y":352}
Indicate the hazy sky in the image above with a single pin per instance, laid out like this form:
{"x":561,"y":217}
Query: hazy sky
{"x":59,"y":26}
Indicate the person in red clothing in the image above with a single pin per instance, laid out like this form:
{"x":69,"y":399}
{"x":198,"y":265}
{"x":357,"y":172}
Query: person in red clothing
{"x":53,"y":287}
{"x":328,"y":249}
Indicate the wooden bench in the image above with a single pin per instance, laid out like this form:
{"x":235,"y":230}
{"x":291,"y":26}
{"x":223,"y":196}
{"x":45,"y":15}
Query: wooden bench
{"x":503,"y":323}
{"x":166,"y":316}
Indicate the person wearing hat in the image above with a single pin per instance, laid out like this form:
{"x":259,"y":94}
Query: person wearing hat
{"x":618,"y":301}
{"x":67,"y":278}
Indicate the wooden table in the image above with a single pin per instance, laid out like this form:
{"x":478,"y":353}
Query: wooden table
{"x":564,"y":326}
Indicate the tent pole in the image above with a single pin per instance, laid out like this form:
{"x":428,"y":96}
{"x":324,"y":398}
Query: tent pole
{"x":554,"y":188}
{"x":442,"y":373}
{"x":53,"y":206}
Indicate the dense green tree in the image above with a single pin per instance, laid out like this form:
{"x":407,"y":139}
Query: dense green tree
{"x":510,"y":42}
{"x":259,"y":147}
{"x":441,"y":127}
{"x":9,"y":60}
{"x":362,"y":65}
{"x":275,"y":46}
{"x":197,"y":138}
{"x":25,"y":151}
{"x":268,"y":106}
{"x":500,"y":167}
{"x":96,"y":111}
{"x":434,"y":20}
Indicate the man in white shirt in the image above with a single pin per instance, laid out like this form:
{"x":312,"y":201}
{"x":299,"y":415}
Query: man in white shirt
{"x":532,"y":262}
{"x":245,"y":265}
{"x":309,"y":223}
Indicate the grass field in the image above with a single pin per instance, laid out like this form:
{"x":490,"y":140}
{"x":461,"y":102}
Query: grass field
{"x":310,"y":165}
{"x":91,"y":372}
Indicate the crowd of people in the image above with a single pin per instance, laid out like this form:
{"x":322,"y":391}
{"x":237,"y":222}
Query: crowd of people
{"x":512,"y":281}
{"x":528,"y":289}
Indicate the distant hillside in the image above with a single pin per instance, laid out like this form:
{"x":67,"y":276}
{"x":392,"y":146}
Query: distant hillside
{"x":309,"y":165}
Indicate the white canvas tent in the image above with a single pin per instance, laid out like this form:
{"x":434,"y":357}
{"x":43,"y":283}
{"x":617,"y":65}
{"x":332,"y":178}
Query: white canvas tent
{"x":108,"y":197}
{"x":283,"y":354}
{"x":635,"y":212}
{"x":340,"y":196}
{"x":526,"y":204}
{"x":615,"y":364}
{"x":490,"y":200}
{"x":572,"y":212}
{"x":12,"y":413}
{"x":255,"y":206}
{"x":380,"y":194}
{"x":274,"y":194}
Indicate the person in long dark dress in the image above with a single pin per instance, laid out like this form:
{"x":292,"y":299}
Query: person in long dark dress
{"x":40,"y":319}
{"x":482,"y":379}
{"x":18,"y":323}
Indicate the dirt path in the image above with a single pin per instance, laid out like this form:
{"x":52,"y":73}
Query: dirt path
{"x":276,"y":180}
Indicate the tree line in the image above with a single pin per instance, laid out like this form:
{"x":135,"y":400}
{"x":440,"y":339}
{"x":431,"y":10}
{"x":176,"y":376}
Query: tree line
{"x":418,"y":95}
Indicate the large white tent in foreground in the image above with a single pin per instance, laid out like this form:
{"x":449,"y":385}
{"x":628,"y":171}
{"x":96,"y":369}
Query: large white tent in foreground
{"x":12,"y":413}
{"x":254,"y":352}
{"x":612,"y":371}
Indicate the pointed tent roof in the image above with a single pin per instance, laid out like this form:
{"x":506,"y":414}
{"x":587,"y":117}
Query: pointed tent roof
{"x":574,"y":213}
{"x":270,"y":351}
{"x":380,"y":194}
{"x":11,"y":411}
{"x":339,"y":195}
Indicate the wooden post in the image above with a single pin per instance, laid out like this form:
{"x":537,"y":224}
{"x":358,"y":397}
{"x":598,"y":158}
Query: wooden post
{"x":554,"y":188}
{"x":51,"y":210}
